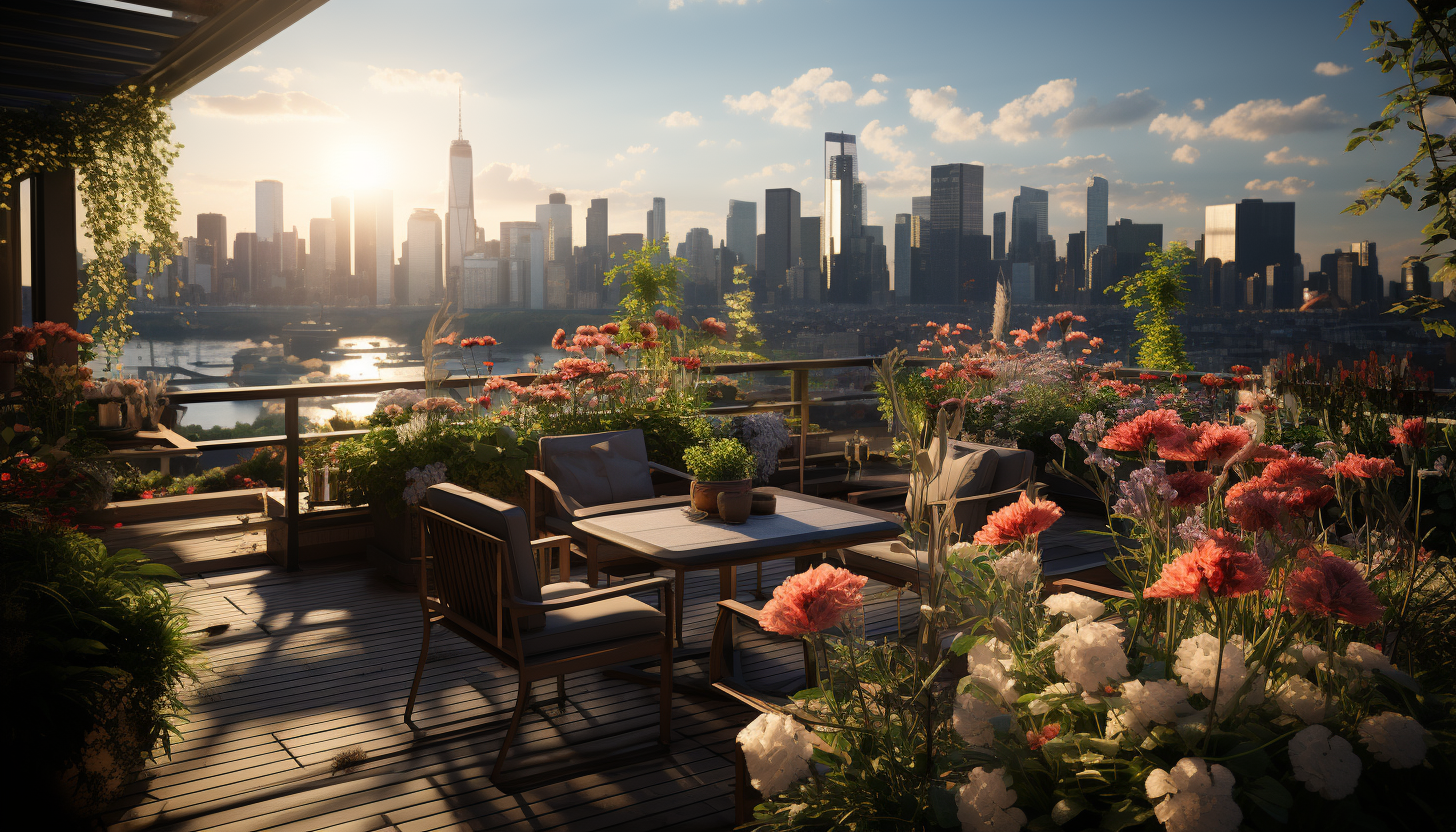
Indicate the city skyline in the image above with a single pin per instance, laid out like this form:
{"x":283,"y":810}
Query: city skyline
{"x":1045,"y":133}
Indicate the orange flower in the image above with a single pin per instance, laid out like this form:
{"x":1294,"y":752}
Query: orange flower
{"x":1219,"y":442}
{"x":1134,"y":435}
{"x":813,"y":601}
{"x":1363,"y":467}
{"x":1218,"y":563}
{"x":1411,"y":432}
{"x":1018,"y":521}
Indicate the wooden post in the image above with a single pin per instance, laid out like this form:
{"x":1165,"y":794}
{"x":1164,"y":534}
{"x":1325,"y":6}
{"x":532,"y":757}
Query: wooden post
{"x":54,"y":270}
{"x":292,"y":446}
{"x":10,"y":277}
{"x":800,"y":388}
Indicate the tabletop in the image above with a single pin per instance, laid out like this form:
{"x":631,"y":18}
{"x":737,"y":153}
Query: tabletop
{"x":801,"y":524}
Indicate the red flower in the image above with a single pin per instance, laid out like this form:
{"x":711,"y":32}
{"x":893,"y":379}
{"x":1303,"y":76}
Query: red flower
{"x":1183,"y":448}
{"x":1364,"y":467}
{"x":687,"y":362}
{"x":1294,"y":471}
{"x":713,"y":326}
{"x":1018,"y":521}
{"x":1135,"y":434}
{"x":558,"y":341}
{"x":666,"y":321}
{"x":813,"y":601}
{"x":1239,"y":370}
{"x":1219,"y":563}
{"x":611,"y":328}
{"x":1021,"y":336}
{"x":1219,"y":442}
{"x":1331,"y":587}
{"x":1036,"y":739}
{"x":1095,"y":343}
{"x":1192,"y":487}
{"x":1062,"y":318}
{"x":1147,"y":376}
{"x":1411,"y":432}
{"x":1211,"y":381}
{"x":1075,"y":335}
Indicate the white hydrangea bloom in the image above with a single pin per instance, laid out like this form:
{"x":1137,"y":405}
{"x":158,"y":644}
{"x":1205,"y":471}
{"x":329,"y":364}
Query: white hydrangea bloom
{"x":1041,"y":704}
{"x":1196,"y":663}
{"x":1090,"y":654}
{"x":1156,"y":701}
{"x":971,"y":719}
{"x":1365,"y":658}
{"x":1080,"y":607}
{"x":1302,"y":698}
{"x":986,"y":802}
{"x":986,"y":663}
{"x":1302,"y":657}
{"x":1196,"y":797}
{"x":1394,"y":738}
{"x":777,"y":750}
{"x":1324,"y":762}
{"x":1018,"y":568}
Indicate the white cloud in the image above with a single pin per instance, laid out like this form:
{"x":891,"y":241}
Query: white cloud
{"x":879,"y":78}
{"x":250,"y":69}
{"x":951,"y":122}
{"x":434,"y":82}
{"x":680,"y":118}
{"x":1075,"y":161}
{"x":764,"y":173}
{"x":641,"y":148}
{"x":1289,"y":185}
{"x":1256,"y":121}
{"x":673,"y":5}
{"x":282,"y":77}
{"x":706,"y":143}
{"x":1127,"y":108}
{"x":637,"y":177}
{"x":881,"y":141}
{"x":869,"y":98}
{"x":1282,"y":156}
{"x":1187,"y":154}
{"x":1198,"y":104}
{"x":265,"y":106}
{"x":1330,"y":69}
{"x":793,"y":103}
{"x":900,"y":181}
{"x":1013,"y":123}
{"x":733,"y":143}
{"x":1181,"y":126}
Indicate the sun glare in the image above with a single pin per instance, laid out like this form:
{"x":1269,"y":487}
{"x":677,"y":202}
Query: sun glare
{"x":362,"y":165}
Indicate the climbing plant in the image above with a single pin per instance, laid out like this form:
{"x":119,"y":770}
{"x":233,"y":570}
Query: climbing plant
{"x":1157,"y":292}
{"x":648,"y":282}
{"x":121,"y":147}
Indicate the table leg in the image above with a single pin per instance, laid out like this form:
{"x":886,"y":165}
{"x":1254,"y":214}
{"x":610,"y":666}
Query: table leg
{"x":727,"y":583}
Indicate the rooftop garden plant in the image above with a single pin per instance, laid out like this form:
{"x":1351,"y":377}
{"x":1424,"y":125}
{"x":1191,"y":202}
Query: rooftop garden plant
{"x":720,"y":460}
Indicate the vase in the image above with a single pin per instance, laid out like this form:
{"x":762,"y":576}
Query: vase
{"x":108,"y":415}
{"x":735,"y":506}
{"x":705,"y":494}
{"x":764,"y":503}
{"x":322,"y":485}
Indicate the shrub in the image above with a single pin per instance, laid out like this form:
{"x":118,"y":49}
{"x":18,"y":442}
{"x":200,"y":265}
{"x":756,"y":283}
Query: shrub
{"x":720,"y":460}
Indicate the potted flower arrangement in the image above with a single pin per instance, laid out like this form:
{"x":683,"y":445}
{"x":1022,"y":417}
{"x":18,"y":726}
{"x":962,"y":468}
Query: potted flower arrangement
{"x":719,"y":466}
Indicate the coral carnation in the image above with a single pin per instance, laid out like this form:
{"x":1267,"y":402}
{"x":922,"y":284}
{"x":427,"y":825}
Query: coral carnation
{"x":1363,"y":467}
{"x":1330,"y":586}
{"x":1217,"y":562}
{"x":713,"y":326}
{"x":1220,"y":442}
{"x":1411,"y":432}
{"x":812,"y":601}
{"x":1134,"y":435}
{"x":666,"y":320}
{"x":1018,"y":521}
{"x":1192,"y":487}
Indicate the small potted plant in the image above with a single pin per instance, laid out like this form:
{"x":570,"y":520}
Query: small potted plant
{"x":719,"y":466}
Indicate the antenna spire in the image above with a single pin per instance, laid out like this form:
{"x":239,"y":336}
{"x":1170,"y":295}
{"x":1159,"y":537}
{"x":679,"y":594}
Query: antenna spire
{"x":460,"y":111}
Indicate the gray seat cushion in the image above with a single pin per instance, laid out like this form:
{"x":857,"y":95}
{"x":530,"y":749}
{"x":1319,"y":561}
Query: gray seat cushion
{"x":878,"y":557}
{"x":578,"y":628}
{"x":968,"y":470}
{"x":498,"y":519}
{"x":594,"y":469}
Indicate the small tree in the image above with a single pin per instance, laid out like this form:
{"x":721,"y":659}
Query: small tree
{"x":647,"y":286}
{"x":1157,"y":292}
{"x":740,"y":312}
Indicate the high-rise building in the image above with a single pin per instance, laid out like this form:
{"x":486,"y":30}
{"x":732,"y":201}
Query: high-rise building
{"x":480,"y":281}
{"x":956,"y":198}
{"x":343,"y":249}
{"x":953,"y":269}
{"x":596,"y":225}
{"x":212,"y":231}
{"x":657,"y":228}
{"x":1130,"y":240}
{"x":323,"y":252}
{"x":1076,"y":276}
{"x":243,"y":262}
{"x":782,"y":243}
{"x":1096,"y":215}
{"x":907,"y":256}
{"x":920,"y":206}
{"x":1028,"y":223}
{"x":811,"y":237}
{"x":374,"y":246}
{"x":287,"y":276}
{"x":845,"y":276}
{"x":1372,"y":284}
{"x":523,"y":248}
{"x":1415,"y":280}
{"x":742,"y":232}
{"x":268,"y":214}
{"x":702,"y":272}
{"x":1251,"y":235}
{"x":998,"y":234}
{"x":555,"y":220}
{"x":459,"y":214}
{"x":423,"y":279}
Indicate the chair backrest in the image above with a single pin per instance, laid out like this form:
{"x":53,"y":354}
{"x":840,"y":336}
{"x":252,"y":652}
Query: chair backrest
{"x":967,"y":470}
{"x":593,"y":469}
{"x":994,"y":469}
{"x":466,"y":566}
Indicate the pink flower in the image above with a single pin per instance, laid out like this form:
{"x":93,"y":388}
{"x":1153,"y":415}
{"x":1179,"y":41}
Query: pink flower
{"x":1331,"y":587}
{"x":611,"y":328}
{"x":714,"y":327}
{"x":1018,"y":521}
{"x":1220,"y":442}
{"x":1363,"y":467}
{"x":1219,"y":563}
{"x":1192,"y":487}
{"x":1411,"y":432}
{"x":1134,"y":435}
{"x":666,"y":320}
{"x":558,"y":341}
{"x":813,"y":601}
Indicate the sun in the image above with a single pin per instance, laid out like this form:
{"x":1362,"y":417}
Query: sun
{"x":362,"y":165}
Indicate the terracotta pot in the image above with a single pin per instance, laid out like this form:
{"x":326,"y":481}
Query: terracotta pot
{"x":735,"y":506}
{"x":764,"y":503}
{"x":705,"y":494}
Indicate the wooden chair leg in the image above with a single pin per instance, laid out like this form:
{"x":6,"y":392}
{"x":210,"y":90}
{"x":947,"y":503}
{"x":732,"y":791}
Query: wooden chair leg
{"x":722,"y":635}
{"x":665,"y":671}
{"x":523,"y":697}
{"x":591,"y":563}
{"x":743,"y":801}
{"x":419,"y":669}
{"x":680,"y":595}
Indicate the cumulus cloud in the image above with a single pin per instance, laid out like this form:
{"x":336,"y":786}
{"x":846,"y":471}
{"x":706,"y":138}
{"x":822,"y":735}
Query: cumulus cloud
{"x":1256,"y":121}
{"x":951,"y":122}
{"x":765,"y":172}
{"x":1282,"y":156}
{"x":1013,"y":122}
{"x":641,"y":148}
{"x":1187,"y":154}
{"x":680,"y":118}
{"x":434,"y":82}
{"x":793,"y":103}
{"x":265,"y":106}
{"x":869,"y":98}
{"x":899,"y":181}
{"x":250,"y":69}
{"x":706,"y":143}
{"x":881,"y":141}
{"x":879,"y":78}
{"x":733,"y":143}
{"x":1289,"y":185}
{"x":1181,"y":126}
{"x":1198,"y":104}
{"x":1330,"y":69}
{"x":1127,"y":108}
{"x":1076,"y":161}
{"x":282,"y":77}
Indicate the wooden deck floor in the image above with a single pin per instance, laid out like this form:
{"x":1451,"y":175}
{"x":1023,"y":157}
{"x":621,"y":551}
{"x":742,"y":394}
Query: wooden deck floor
{"x":302,"y":667}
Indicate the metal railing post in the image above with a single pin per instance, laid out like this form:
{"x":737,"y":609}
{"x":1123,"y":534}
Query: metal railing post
{"x":292,"y":447}
{"x":800,"y":391}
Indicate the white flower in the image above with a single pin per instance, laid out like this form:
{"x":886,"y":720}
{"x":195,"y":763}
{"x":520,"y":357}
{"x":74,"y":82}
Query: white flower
{"x":1197,"y":664}
{"x":1365,"y":658}
{"x":1078,"y":606}
{"x":1091,"y":653}
{"x":420,"y":479}
{"x":986,"y":803}
{"x":986,"y":664}
{"x":1018,"y":568}
{"x":1324,"y":762}
{"x":1302,"y":656}
{"x":777,"y":750}
{"x":1394,"y":739}
{"x":1300,"y":697}
{"x":1197,"y":797}
{"x":1059,"y":690}
{"x":971,"y":718}
{"x":1155,"y":701}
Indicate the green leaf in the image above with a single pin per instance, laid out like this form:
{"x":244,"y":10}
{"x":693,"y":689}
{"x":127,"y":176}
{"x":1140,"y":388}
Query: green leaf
{"x":1271,"y":797}
{"x":158,"y":570}
{"x":943,"y":807}
{"x":1124,"y":814}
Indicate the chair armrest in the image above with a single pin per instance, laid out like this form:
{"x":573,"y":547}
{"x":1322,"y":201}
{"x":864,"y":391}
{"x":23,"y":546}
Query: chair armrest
{"x":974,"y":497}
{"x":520,"y":607}
{"x":562,"y":500}
{"x":657,"y":466}
{"x":562,"y":544}
{"x":876,"y":493}
{"x":739,"y":609}
{"x":551,"y":542}
{"x":1070,"y":583}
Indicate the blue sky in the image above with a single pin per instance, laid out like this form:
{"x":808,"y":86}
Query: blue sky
{"x":1179,"y":105}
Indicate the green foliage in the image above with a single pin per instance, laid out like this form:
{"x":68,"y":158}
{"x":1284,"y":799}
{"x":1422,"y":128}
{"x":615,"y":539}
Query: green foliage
{"x":264,"y":467}
{"x":1424,"y":58}
{"x":1157,"y":292}
{"x":96,"y":653}
{"x":121,"y":147}
{"x":719,"y":460}
{"x":647,"y":285}
{"x":667,"y":431}
{"x":746,"y":333}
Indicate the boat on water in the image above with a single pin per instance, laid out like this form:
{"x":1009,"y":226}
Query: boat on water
{"x":269,"y":364}
{"x":310,"y":338}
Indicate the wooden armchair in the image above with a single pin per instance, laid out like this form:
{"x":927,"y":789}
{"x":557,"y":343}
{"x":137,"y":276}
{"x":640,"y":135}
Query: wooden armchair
{"x":478,"y":562}
{"x":592,"y":475}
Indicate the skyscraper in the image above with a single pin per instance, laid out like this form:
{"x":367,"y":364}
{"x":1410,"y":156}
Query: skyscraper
{"x":811,"y":237}
{"x":323,"y":252}
{"x":657,"y":227}
{"x":596,"y":225}
{"x":212,"y":231}
{"x":268,"y":215}
{"x":920,"y":207}
{"x":244,"y":244}
{"x":1372,"y":284}
{"x":998,"y":233}
{"x":702,"y":274}
{"x":423,"y":244}
{"x":907,"y":255}
{"x":460,"y":214}
{"x":555,"y":220}
{"x":1130,"y":240}
{"x":1028,"y":223}
{"x":952,"y":270}
{"x":1251,"y":235}
{"x":374,"y":246}
{"x":782,"y":243}
{"x":343,"y":251}
{"x":1096,"y":215}
{"x":844,"y":277}
{"x":742,"y":232}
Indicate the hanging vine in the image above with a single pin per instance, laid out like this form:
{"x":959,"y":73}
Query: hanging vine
{"x":121,"y":148}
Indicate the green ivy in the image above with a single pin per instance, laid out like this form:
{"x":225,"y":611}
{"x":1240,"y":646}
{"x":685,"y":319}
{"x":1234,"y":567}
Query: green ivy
{"x":1157,"y":292}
